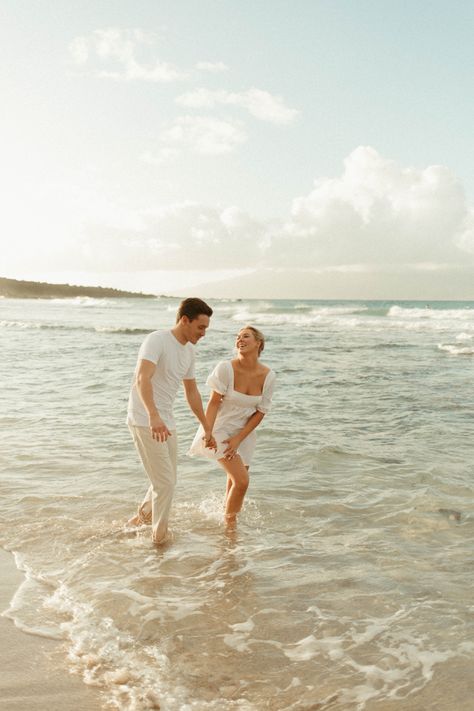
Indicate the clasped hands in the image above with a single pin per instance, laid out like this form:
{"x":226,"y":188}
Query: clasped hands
{"x":232,"y":445}
{"x":209,"y":441}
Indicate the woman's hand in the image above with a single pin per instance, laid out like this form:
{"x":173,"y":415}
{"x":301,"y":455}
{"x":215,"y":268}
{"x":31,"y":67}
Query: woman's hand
{"x":209,"y":441}
{"x":232,"y":446}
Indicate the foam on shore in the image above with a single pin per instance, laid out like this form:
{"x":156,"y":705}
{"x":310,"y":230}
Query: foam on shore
{"x":34,"y":669}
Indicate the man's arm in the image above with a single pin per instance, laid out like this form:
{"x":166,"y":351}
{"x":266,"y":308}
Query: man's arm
{"x":159,"y":430}
{"x":193,"y":396}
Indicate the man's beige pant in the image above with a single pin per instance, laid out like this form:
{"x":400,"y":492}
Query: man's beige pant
{"x":159,"y":460}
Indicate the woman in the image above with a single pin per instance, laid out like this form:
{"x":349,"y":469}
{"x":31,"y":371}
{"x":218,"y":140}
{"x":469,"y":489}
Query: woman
{"x":241,"y":396}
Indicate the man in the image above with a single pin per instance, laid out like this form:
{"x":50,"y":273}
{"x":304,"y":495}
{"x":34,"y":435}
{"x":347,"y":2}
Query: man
{"x":164,"y":360}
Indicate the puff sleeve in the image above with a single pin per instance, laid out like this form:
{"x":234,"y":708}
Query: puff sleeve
{"x":265,"y":404}
{"x":219,"y":379}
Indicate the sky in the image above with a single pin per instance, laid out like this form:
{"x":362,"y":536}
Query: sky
{"x":244,"y":148}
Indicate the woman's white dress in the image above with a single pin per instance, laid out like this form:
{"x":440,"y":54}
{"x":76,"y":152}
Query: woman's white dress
{"x":234,"y":411}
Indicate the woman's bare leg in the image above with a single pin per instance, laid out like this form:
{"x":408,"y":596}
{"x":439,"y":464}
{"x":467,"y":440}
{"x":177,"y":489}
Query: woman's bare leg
{"x":228,"y":488}
{"x":238,"y":475}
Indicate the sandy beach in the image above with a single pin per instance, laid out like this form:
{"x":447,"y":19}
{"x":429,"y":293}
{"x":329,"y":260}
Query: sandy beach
{"x":34,"y":671}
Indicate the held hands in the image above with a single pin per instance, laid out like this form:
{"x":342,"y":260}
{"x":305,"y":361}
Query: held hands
{"x":232,"y":446}
{"x":159,"y":430}
{"x":209,"y":441}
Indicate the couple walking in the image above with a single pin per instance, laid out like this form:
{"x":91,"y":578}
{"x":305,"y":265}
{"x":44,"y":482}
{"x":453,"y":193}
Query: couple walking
{"x":241,"y":394}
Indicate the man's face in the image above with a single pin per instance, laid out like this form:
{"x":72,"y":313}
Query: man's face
{"x":195,"y":329}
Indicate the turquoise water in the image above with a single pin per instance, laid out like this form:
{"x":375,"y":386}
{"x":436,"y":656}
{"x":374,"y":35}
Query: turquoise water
{"x":348,"y":584}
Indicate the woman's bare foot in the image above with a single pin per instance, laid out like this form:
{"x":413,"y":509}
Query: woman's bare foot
{"x":230,"y":520}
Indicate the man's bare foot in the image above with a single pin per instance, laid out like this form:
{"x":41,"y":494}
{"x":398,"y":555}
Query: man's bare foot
{"x":134,"y":521}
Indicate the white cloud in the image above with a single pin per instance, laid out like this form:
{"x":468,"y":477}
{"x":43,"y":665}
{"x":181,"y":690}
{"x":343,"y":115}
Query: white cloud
{"x":375,"y":212}
{"x":465,"y":236}
{"x":260,"y":104}
{"x":79,"y":49}
{"x":204,"y":135}
{"x":376,"y":218}
{"x":162,"y":157}
{"x":213,"y":67}
{"x":120,"y":54}
{"x":185,"y":236}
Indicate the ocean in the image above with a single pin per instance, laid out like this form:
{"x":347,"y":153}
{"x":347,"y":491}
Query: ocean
{"x":348,"y":583}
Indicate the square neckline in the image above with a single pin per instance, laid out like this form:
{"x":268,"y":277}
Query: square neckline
{"x":246,"y":394}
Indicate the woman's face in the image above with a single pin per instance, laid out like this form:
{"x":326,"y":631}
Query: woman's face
{"x":246,"y":341}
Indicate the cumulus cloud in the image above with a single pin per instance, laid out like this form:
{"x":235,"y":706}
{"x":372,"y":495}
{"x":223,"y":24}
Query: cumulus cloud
{"x":185,"y":236}
{"x":376,"y":217}
{"x":465,"y":235}
{"x":213,"y":67}
{"x":121,"y":54}
{"x":204,"y":135}
{"x":375,"y":212}
{"x":260,"y":104}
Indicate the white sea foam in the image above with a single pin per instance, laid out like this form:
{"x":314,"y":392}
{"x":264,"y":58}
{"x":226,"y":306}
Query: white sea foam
{"x":121,"y":329}
{"x":85,"y":301}
{"x":323,"y":316}
{"x":308,"y":648}
{"x":456,"y":350}
{"x":19,"y":324}
{"x":51,"y":325}
{"x":427,"y":313}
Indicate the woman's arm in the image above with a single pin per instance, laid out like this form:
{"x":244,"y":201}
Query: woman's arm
{"x":215,"y":400}
{"x":233,"y":442}
{"x":193,"y":397}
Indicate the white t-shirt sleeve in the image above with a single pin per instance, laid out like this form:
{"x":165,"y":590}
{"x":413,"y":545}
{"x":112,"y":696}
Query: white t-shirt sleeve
{"x":191,"y":373}
{"x":266,"y":402}
{"x":151,"y":348}
{"x":219,"y":379}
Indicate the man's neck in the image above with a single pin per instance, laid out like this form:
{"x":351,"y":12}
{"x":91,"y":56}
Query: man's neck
{"x":179,"y":335}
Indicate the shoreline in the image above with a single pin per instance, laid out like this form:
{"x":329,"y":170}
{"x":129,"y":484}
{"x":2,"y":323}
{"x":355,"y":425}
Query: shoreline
{"x":20,"y":289}
{"x":34,"y":669}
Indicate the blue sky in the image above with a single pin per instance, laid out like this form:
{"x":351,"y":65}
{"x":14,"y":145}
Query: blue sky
{"x":178,"y":143}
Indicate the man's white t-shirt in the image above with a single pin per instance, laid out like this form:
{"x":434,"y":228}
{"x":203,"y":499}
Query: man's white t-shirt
{"x":174,"y":363}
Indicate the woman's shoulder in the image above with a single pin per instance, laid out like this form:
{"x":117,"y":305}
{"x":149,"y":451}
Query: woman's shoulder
{"x":223,"y":364}
{"x":270,"y":377}
{"x":223,"y":367}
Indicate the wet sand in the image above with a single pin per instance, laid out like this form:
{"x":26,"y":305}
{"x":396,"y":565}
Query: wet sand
{"x":34,"y":669}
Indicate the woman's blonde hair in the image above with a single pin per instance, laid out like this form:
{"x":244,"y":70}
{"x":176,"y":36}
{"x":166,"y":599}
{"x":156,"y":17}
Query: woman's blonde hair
{"x":258,"y":336}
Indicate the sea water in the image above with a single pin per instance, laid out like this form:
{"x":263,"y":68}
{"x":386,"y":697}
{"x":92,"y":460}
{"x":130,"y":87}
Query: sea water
{"x":348,"y":583}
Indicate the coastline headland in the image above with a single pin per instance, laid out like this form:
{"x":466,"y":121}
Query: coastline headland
{"x":18,"y":289}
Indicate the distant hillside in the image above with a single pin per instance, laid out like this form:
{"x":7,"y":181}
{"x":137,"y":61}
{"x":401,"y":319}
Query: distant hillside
{"x":15,"y":289}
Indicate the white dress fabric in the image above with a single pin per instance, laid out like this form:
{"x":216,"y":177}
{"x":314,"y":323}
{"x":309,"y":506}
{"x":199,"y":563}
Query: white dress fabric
{"x":234,"y":411}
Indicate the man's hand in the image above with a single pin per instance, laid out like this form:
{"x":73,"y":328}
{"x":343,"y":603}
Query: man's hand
{"x":232,"y":446}
{"x":209,"y":441}
{"x":159,"y":430}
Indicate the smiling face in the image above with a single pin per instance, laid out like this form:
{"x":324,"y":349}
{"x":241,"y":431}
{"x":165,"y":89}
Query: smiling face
{"x":247,"y":342}
{"x":194,"y":330}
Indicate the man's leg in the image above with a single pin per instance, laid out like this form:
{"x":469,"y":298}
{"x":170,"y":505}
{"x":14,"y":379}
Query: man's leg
{"x":159,"y":461}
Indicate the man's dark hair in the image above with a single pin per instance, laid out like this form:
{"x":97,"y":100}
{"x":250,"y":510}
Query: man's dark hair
{"x":192,"y":308}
